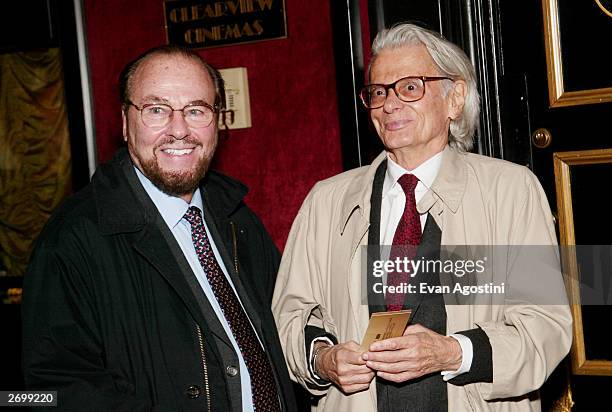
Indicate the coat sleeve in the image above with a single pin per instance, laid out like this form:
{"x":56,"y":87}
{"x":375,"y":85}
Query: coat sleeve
{"x":62,"y":348}
{"x":535,"y":333}
{"x":298,"y":296}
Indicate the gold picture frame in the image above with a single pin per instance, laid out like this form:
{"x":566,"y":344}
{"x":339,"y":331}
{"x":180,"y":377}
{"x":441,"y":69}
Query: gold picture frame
{"x":563,"y":161}
{"x":558,"y":96}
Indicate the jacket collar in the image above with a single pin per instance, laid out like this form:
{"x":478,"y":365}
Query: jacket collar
{"x":358,"y":193}
{"x":123,"y":205}
{"x":450,"y":183}
{"x":448,"y":187}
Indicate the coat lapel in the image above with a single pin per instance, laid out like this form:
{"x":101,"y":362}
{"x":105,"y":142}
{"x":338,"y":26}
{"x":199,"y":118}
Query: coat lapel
{"x":376,"y":302}
{"x":159,"y":247}
{"x":160,"y":255}
{"x":448,"y":187}
{"x":356,"y":206}
{"x":230,"y":264}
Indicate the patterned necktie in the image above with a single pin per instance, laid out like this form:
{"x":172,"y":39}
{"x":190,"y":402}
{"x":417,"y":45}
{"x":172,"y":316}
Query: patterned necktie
{"x":407,"y":236}
{"x":265,"y":396}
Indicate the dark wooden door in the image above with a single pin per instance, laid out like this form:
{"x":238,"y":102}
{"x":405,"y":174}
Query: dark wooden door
{"x":574,"y":118}
{"x":574,"y":123}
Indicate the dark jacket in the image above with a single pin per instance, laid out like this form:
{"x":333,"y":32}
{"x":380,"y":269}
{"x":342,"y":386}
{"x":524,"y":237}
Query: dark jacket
{"x":110,"y":317}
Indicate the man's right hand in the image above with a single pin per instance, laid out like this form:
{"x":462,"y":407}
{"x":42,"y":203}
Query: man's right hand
{"x":343,"y":365}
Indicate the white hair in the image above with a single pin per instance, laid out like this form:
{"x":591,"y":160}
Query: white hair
{"x":451,"y":61}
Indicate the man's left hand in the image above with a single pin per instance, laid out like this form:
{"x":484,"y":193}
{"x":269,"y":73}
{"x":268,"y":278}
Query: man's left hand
{"x":420,"y":351}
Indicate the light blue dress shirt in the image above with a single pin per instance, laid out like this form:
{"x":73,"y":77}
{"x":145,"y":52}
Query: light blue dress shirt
{"x":172,"y":210}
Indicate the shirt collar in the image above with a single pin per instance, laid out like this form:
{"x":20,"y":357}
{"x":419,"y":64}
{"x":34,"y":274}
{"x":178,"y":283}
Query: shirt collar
{"x":171,"y":208}
{"x":426,"y":172}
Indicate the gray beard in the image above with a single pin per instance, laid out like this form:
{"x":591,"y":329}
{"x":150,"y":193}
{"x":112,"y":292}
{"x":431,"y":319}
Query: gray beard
{"x":173,"y":183}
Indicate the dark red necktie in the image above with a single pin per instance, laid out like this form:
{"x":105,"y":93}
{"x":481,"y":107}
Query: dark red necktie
{"x":263,"y":386}
{"x":407,"y":236}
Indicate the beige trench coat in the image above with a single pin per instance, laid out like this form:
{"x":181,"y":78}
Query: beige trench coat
{"x":475,"y":200}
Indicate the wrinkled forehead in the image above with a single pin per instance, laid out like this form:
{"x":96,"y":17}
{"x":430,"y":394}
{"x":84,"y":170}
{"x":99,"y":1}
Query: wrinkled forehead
{"x":167,"y":73}
{"x":394,"y":63}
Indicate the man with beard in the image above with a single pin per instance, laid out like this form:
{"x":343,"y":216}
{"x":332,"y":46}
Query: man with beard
{"x":151,"y":288}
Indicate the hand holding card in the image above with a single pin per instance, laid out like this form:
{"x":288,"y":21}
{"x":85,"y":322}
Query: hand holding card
{"x":385,"y":325}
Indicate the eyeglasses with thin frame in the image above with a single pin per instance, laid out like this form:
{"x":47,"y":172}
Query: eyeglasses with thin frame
{"x":196,"y":114}
{"x":408,"y":89}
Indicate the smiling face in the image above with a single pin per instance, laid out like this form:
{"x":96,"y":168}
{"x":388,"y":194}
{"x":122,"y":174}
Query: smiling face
{"x":414,"y":132}
{"x":174,"y":157}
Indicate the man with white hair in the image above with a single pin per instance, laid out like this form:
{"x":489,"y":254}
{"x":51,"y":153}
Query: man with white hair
{"x":426,"y":191}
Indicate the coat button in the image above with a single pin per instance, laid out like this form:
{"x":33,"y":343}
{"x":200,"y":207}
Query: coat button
{"x":193,"y":391}
{"x":231,"y":371}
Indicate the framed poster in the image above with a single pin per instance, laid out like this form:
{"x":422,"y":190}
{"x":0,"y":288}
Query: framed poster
{"x":586,"y":255}
{"x":577,"y":37}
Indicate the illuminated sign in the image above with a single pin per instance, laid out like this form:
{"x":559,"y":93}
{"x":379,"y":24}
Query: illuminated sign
{"x":206,"y":23}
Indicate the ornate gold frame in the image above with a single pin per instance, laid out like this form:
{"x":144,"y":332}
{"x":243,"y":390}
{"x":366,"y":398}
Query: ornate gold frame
{"x":557,"y":95}
{"x":601,"y":6}
{"x":562,"y":162}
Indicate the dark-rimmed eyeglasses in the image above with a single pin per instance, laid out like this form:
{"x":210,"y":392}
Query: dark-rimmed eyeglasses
{"x":198,"y":114}
{"x":408,"y":89}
